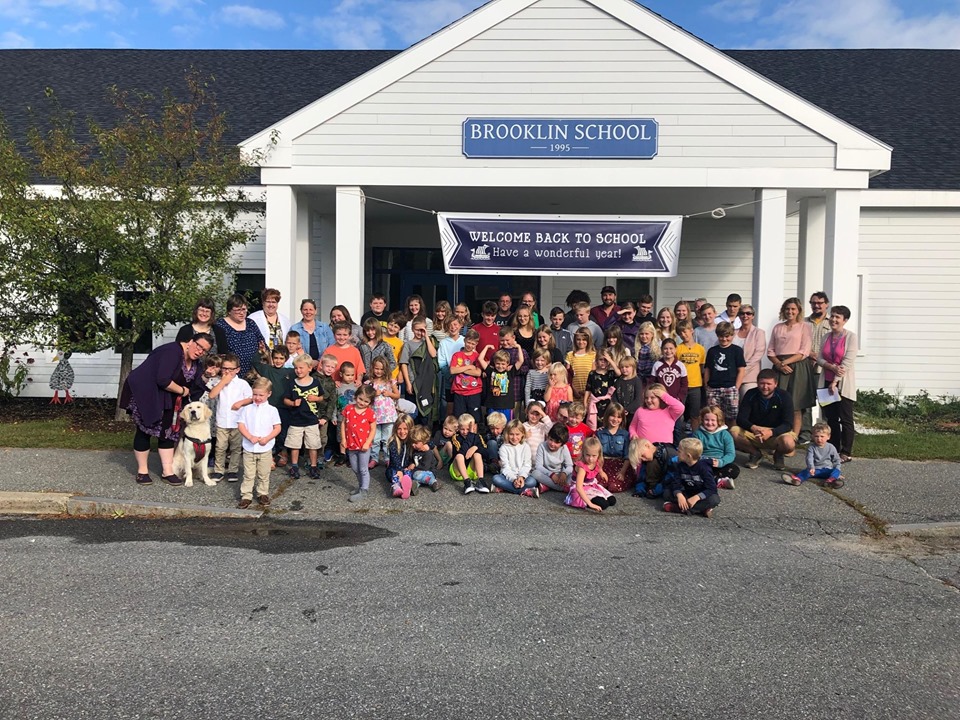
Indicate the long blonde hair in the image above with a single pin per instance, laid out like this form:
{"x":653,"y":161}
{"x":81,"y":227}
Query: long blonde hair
{"x":396,"y":442}
{"x":654,"y":340}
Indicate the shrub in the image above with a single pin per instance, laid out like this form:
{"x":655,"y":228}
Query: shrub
{"x":14,"y":372}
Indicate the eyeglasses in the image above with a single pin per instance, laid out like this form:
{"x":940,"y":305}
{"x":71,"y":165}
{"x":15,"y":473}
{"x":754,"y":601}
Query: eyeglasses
{"x":229,"y":369}
{"x":818,"y":302}
{"x":747,"y":312}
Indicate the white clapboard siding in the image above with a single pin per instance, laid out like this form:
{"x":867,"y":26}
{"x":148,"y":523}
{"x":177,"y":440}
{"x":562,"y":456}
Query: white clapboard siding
{"x":562,"y":60}
{"x":911,"y":260}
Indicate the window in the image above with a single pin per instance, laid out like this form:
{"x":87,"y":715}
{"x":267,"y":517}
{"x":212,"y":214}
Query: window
{"x":250,"y":285}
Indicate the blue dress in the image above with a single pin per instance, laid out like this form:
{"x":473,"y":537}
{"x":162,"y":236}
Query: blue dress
{"x":245,"y":344}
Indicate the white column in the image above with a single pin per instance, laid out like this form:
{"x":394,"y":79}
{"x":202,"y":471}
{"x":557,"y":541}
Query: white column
{"x":769,"y":255}
{"x":350,"y":248}
{"x":842,"y":247}
{"x":301,"y":254}
{"x":327,"y":295}
{"x":813,"y":226}
{"x":281,"y":231}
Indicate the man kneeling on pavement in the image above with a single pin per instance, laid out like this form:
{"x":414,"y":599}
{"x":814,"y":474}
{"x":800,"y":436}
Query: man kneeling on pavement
{"x":765,"y":422}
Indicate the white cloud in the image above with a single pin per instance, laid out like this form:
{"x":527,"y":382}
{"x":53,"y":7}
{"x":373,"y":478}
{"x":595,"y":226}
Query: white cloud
{"x":11,"y":40}
{"x":363,"y":24}
{"x":119,"y":41}
{"x":736,"y":10}
{"x":77,"y":27}
{"x":165,"y":7}
{"x":249,"y":16}
{"x":857,"y":24}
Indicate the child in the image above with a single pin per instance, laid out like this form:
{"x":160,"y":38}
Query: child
{"x":723,"y":372}
{"x":466,"y":382}
{"x":345,"y":352}
{"x":259,"y":424}
{"x":654,"y":421}
{"x":545,"y":341}
{"x":499,"y":384}
{"x":706,"y":333}
{"x":426,"y":459}
{"x":294,"y":348}
{"x":374,"y":346}
{"x":823,"y":460}
{"x":450,"y":345}
{"x":553,"y":465}
{"x":516,"y":464}
{"x":588,"y":492}
{"x":468,"y":450}
{"x":327,"y":407}
{"x":377,"y":311}
{"x":693,"y":356}
{"x":581,"y":360}
{"x":302,"y":398}
{"x":648,"y":463}
{"x":488,"y":332}
{"x":557,"y":392}
{"x":279,"y":376}
{"x":443,"y":439}
{"x":583,"y":322}
{"x":538,"y":377}
{"x":400,"y":462}
{"x":690,"y":482}
{"x":718,"y":446}
{"x":386,"y":394}
{"x":346,"y":391}
{"x":357,"y":431}
{"x":598,"y":390}
{"x":211,"y":376}
{"x":395,"y":324}
{"x":233,"y":393}
{"x":647,"y":351}
{"x":496,"y":422}
{"x":614,"y":349}
{"x":628,"y":389}
{"x":672,"y":374}
{"x":561,"y":337}
{"x":614,"y":440}
{"x":578,"y":431}
{"x":537,"y":425}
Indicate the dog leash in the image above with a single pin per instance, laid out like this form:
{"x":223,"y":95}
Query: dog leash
{"x":178,"y":403}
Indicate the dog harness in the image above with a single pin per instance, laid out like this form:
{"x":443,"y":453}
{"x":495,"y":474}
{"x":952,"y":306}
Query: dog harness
{"x":199,"y":447}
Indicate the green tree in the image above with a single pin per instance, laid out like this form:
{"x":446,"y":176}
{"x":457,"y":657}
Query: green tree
{"x":139,"y":217}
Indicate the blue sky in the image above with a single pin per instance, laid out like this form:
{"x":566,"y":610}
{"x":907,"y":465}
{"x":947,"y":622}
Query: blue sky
{"x":368,"y":24}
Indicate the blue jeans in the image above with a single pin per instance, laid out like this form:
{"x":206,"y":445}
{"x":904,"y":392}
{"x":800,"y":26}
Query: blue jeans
{"x":380,"y":440}
{"x":359,"y":460}
{"x":507,"y":485}
{"x":819,"y":473}
{"x":423,"y":477}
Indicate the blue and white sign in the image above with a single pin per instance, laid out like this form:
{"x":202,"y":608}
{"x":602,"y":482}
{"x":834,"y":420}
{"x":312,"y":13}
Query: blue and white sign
{"x":625,"y":246}
{"x":634,"y":138}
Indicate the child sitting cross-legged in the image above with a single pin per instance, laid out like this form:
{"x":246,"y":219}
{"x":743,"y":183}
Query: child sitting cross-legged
{"x":496,"y":422}
{"x":718,"y":446}
{"x":614,"y":440}
{"x":426,"y":459}
{"x":823,"y":460}
{"x":689,"y":481}
{"x":553,"y":465}
{"x":516,"y":463}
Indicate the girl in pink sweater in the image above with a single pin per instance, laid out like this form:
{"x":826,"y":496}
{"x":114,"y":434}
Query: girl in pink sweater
{"x":655,"y":420}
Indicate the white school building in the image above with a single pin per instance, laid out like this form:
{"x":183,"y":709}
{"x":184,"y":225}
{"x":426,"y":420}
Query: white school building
{"x":370,"y":144}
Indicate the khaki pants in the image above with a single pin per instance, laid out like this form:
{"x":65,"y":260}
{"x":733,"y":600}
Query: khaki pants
{"x":228,"y":440}
{"x":256,"y":466}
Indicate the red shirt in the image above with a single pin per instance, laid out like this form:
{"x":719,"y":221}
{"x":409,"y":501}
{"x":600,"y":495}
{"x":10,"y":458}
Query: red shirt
{"x":489,"y":335}
{"x":344,"y":354}
{"x":463,"y":384}
{"x":356,"y":426}
{"x":578,"y":433}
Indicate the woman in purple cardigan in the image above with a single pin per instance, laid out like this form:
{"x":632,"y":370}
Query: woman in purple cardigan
{"x":150,"y":393}
{"x":753,"y":340}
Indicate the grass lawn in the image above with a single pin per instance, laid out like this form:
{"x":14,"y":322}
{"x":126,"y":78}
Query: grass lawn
{"x":909,"y":445}
{"x":57,"y":433}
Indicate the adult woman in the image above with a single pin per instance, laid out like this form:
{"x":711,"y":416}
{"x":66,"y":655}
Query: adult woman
{"x":202,"y":322}
{"x":340,"y":314}
{"x":374,"y":346}
{"x":753,"y":341}
{"x":272,"y":323}
{"x":414,"y":311}
{"x":837,"y":356}
{"x":529,"y":300}
{"x":315,"y":335}
{"x":666,"y":325}
{"x":150,"y":394}
{"x":788,"y":350}
{"x":524,"y":329}
{"x":243,"y":335}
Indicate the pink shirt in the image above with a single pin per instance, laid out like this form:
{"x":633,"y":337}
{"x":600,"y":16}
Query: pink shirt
{"x":657,"y":425}
{"x":793,"y":340}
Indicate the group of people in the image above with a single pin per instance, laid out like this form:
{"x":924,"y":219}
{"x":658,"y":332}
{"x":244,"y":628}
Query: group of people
{"x":590,"y":401}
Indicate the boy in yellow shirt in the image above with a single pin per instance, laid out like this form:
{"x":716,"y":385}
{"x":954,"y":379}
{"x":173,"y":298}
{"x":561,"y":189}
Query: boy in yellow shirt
{"x":693,"y":356}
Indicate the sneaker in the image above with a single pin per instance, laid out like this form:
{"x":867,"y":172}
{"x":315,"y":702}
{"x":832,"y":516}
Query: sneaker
{"x":371,"y":465}
{"x":435,"y":485}
{"x":725,"y":484}
{"x":216,"y":477}
{"x":753,"y":462}
{"x":328,"y":454}
{"x":468,"y":487}
{"x":233,"y":477}
{"x":358,"y":496}
{"x":313,"y":472}
{"x":406,"y":484}
{"x":143,"y":479}
{"x":790,"y":479}
{"x":533,"y":492}
{"x":669,"y":507}
{"x":708,"y":513}
{"x":483,"y":486}
{"x":295,"y":472}
{"x":245,"y":503}
{"x":835,"y":484}
{"x":778,"y":463}
{"x":541,"y":488}
{"x":321,"y":465}
{"x":414,"y":487}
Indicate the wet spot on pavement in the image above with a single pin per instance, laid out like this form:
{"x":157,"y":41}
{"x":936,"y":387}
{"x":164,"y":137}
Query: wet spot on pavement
{"x":435,"y":544}
{"x":311,"y":615}
{"x":257,"y":611}
{"x":450,"y":583}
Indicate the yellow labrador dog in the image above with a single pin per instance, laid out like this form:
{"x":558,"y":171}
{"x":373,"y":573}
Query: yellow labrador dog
{"x":194,"y":447}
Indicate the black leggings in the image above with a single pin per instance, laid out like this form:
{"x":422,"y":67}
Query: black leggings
{"x":141,"y":442}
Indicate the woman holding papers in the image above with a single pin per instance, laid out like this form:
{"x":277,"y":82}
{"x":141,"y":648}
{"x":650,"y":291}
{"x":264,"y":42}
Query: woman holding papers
{"x":837,"y":356}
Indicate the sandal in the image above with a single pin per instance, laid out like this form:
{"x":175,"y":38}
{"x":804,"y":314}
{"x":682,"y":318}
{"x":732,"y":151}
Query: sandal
{"x":143,"y":479}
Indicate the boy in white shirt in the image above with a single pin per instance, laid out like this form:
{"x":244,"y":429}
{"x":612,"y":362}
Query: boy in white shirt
{"x":259,"y":424}
{"x":234,"y":392}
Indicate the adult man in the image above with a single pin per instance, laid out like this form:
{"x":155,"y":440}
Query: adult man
{"x":731,"y":314}
{"x":605,"y":314}
{"x":765,"y":422}
{"x":504,"y":310}
{"x":645,"y":310}
{"x":819,"y":329}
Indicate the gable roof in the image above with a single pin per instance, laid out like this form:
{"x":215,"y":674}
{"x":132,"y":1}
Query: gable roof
{"x":906,"y":98}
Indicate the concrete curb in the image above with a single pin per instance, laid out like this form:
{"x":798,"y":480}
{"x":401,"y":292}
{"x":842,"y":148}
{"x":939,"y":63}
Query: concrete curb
{"x":40,"y":503}
{"x":932,"y":528}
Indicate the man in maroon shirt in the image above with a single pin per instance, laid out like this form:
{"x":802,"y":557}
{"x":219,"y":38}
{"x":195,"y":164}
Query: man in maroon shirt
{"x":605,"y":314}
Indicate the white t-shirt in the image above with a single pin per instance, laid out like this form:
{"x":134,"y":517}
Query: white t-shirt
{"x":259,"y":421}
{"x":236,"y":389}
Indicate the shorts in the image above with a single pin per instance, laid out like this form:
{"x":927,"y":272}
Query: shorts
{"x":769,"y":445}
{"x":727,"y":399}
{"x":299,"y":435}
